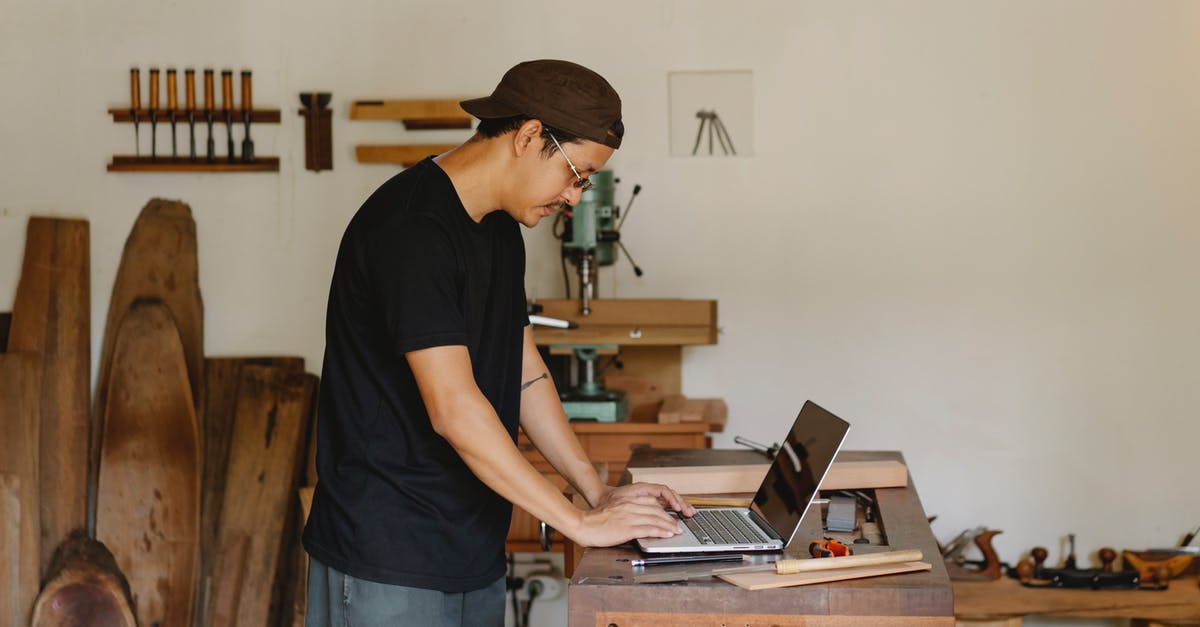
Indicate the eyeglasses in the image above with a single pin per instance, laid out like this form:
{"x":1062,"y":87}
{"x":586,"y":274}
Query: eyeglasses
{"x":581,"y":182}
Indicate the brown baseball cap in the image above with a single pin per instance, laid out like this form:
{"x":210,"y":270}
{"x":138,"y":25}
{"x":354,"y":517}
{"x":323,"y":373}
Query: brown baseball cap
{"x":561,"y":94}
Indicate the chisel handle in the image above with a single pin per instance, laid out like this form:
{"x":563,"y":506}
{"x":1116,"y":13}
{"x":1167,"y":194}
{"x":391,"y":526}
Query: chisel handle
{"x":791,"y":567}
{"x":135,"y":89}
{"x":172,"y":90}
{"x":189,"y":87}
{"x":247,"y":99}
{"x":209,"y":92}
{"x":227,"y":90}
{"x":153,"y":89}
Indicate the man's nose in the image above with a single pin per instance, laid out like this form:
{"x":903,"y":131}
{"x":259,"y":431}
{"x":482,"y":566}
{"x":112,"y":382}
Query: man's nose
{"x":573,"y":195}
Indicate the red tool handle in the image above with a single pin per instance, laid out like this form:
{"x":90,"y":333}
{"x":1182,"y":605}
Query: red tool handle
{"x":189,"y":87}
{"x":172,"y":90}
{"x":247,"y":99}
{"x":227,"y":90}
{"x":209,"y":91}
{"x":153,"y":89}
{"x":135,"y":89}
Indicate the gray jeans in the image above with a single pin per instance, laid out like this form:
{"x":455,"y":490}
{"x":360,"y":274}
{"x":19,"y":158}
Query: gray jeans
{"x":336,"y":599}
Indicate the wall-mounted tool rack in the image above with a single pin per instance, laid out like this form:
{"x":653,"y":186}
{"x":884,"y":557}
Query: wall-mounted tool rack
{"x":144,"y":163}
{"x":191,"y":115}
{"x":429,"y":114}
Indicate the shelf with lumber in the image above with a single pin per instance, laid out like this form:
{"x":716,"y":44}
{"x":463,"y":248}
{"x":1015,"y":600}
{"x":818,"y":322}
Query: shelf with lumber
{"x":442,"y":113}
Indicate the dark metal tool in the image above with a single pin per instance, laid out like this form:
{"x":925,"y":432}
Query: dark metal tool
{"x":318,"y":133}
{"x":209,"y":97}
{"x":227,"y":108}
{"x":190,"y":100}
{"x":172,"y":104}
{"x":153,"y":114}
{"x":135,"y":103}
{"x":247,"y":109}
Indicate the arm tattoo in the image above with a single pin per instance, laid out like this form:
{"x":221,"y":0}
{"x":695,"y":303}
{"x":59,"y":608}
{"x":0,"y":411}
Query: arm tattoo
{"x":525,"y":386}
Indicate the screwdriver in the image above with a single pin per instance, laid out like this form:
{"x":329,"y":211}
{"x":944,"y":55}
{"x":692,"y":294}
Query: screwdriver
{"x":793,"y":566}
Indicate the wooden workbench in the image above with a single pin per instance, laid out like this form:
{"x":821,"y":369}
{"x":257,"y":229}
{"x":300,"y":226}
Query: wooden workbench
{"x":602,"y":591}
{"x":1005,"y":601}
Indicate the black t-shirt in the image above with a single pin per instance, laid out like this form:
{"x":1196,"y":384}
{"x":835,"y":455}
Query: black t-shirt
{"x":394,"y":503}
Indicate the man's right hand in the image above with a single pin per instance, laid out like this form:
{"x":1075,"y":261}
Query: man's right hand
{"x":622,"y":518}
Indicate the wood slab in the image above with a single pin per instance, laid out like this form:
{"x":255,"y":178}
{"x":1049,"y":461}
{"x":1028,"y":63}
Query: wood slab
{"x":763,"y":581}
{"x":159,"y":261}
{"x":221,"y":376}
{"x":52,"y":317}
{"x":1006,"y":598}
{"x":84,"y":586}
{"x":5,"y":324}
{"x":271,"y":422}
{"x":20,"y":384}
{"x":148,"y":493}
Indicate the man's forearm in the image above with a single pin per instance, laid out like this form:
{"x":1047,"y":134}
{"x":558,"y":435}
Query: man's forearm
{"x":546,"y":426}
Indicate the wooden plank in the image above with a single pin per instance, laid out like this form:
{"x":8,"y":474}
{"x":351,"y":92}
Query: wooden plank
{"x":52,"y":317}
{"x":1006,"y":598}
{"x":84,"y":586}
{"x":764,"y":581}
{"x":686,"y":619}
{"x":405,"y":155}
{"x":20,"y":383}
{"x":159,"y":261}
{"x":413,"y":109}
{"x":635,"y":311}
{"x":148,"y":488}
{"x":264,"y":465}
{"x":221,"y":376}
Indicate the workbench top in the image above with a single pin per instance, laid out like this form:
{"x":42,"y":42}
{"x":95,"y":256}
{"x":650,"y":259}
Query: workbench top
{"x":602,"y":590}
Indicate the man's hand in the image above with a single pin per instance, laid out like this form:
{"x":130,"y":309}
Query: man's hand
{"x":633,"y":511}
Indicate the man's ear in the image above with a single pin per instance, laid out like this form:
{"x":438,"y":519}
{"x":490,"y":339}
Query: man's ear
{"x":528,"y":137}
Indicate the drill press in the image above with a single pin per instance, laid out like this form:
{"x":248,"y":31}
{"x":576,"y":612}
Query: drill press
{"x":590,"y":237}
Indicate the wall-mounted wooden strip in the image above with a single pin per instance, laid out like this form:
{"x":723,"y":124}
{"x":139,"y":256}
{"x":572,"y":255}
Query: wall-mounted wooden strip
{"x":403,"y":155}
{"x":84,"y":586}
{"x":159,"y":261}
{"x":148,"y":494}
{"x":20,"y":384}
{"x":52,"y":317}
{"x":260,"y":489}
{"x":445,"y":109}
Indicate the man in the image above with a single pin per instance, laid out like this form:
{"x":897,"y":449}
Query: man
{"x":430,"y":366}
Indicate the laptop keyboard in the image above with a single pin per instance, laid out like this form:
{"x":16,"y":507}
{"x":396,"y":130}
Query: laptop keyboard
{"x":722,"y":526}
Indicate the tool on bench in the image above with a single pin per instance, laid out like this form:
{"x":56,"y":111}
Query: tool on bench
{"x":768,"y":451}
{"x":189,"y":87}
{"x":172,"y":104}
{"x":784,"y":566}
{"x":153,"y":114}
{"x":961,"y":569}
{"x":247,"y":108}
{"x":209,"y":97}
{"x":135,"y":103}
{"x":1032,"y":573}
{"x":827,"y":547}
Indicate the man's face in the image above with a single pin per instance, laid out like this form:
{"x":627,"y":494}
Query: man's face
{"x":550,"y":184}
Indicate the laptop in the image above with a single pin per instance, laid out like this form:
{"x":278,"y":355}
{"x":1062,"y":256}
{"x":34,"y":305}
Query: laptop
{"x":782,"y":499}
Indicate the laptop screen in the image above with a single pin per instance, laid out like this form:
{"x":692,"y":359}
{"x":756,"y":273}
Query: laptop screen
{"x":799,"y":466}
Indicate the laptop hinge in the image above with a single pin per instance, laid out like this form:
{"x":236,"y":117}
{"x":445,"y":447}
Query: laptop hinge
{"x":762,"y":524}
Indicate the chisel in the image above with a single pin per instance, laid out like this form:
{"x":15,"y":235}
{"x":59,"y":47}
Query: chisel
{"x":227,"y":107}
{"x":135,"y":103}
{"x":189,"y":76}
{"x":247,"y":108}
{"x":153,"y":114}
{"x":172,"y":103}
{"x":209,"y":97}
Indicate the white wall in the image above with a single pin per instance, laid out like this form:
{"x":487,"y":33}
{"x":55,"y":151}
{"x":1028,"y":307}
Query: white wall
{"x":969,"y":227}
